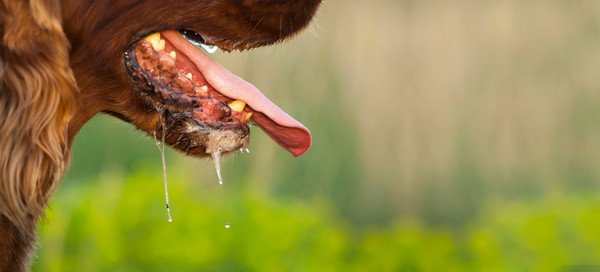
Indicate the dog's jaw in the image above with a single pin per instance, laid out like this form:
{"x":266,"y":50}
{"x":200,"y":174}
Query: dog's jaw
{"x":106,"y":34}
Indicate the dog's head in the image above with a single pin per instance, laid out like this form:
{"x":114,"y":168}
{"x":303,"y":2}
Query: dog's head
{"x":64,"y":61}
{"x":144,"y":62}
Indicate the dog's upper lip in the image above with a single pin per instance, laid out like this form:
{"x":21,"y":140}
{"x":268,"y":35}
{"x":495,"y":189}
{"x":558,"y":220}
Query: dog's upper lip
{"x":285,"y":130}
{"x":198,"y":40}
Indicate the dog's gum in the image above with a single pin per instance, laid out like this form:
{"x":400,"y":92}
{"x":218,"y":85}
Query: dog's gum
{"x":179,"y":86}
{"x":184,"y":83}
{"x":166,"y":63}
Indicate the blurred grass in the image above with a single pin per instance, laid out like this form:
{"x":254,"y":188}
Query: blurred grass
{"x":447,"y":134}
{"x":120,"y":225}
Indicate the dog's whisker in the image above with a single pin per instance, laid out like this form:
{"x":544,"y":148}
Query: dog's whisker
{"x":187,"y":149}
{"x":179,"y":140}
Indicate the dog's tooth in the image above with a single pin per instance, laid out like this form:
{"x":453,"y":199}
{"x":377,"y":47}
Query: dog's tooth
{"x":237,"y":105}
{"x":173,"y":55}
{"x":154,"y":39}
{"x":248,"y":115}
{"x":184,"y":83}
{"x":161,"y":45}
{"x":204,"y":88}
{"x":189,"y":75}
{"x":199,"y":91}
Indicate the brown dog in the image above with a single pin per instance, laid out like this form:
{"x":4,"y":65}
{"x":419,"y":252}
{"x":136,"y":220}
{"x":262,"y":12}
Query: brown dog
{"x":64,"y":61}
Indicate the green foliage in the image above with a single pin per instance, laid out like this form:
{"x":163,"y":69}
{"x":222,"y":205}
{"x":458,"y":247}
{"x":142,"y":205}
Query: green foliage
{"x":558,"y":234}
{"x":120,"y":224}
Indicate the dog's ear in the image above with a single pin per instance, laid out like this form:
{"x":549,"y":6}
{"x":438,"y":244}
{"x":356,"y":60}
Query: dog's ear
{"x":37,"y":100}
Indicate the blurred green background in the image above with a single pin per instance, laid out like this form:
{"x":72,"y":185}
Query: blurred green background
{"x":448,"y":136}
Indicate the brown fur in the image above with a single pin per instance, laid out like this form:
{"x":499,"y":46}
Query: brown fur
{"x":61,"y":64}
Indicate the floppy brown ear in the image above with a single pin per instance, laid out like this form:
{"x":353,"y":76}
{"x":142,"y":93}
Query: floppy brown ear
{"x":37,"y":100}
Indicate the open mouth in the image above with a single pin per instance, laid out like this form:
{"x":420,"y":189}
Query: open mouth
{"x":206,"y":108}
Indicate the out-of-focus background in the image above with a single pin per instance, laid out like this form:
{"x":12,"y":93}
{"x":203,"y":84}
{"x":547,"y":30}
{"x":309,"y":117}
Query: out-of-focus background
{"x":448,"y":135}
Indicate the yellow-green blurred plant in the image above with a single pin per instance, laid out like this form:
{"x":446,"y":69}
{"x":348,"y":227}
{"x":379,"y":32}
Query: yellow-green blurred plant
{"x":120,"y":225}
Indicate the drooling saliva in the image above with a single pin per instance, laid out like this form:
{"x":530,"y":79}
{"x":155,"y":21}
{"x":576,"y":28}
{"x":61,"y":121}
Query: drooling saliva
{"x":217,"y":159}
{"x":193,"y":116}
{"x":161,"y":147}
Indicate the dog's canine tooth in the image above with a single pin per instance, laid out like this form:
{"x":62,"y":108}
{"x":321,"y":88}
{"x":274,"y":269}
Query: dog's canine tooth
{"x":237,"y":105}
{"x":188,"y":75}
{"x":154,"y":39}
{"x":161,"y":45}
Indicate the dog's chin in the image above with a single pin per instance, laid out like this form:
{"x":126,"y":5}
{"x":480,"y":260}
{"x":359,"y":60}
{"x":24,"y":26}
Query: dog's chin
{"x":194,"y":117}
{"x":198,"y":138}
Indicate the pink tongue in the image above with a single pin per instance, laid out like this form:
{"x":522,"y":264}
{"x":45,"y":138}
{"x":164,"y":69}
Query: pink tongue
{"x":285,"y":130}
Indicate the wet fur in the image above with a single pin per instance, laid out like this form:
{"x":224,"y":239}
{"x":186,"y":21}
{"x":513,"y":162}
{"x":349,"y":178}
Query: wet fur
{"x":61,"y":63}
